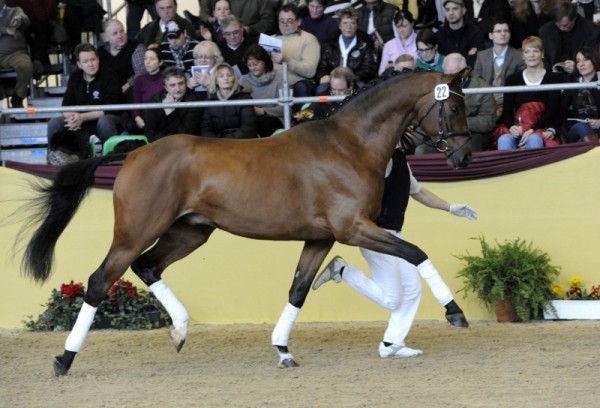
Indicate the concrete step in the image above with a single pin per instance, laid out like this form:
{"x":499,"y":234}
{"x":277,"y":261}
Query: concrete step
{"x":35,"y":155}
{"x":23,"y":134}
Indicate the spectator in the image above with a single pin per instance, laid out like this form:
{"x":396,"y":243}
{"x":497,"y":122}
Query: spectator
{"x":82,"y":16}
{"x":87,"y":86}
{"x":341,"y":84}
{"x":485,"y":12}
{"x":300,"y":50}
{"x":494,"y":64}
{"x":236,"y":43}
{"x":171,"y":121}
{"x":376,"y":18}
{"x":43,"y":29}
{"x":458,"y":35}
{"x":581,"y":104}
{"x":526,"y":116}
{"x":402,"y":63}
{"x":480,"y":109}
{"x":13,"y":50}
{"x":146,"y":86}
{"x":125,"y":57}
{"x":428,"y":14}
{"x":135,"y":12}
{"x":206,"y":55}
{"x":428,"y":56}
{"x":353,"y":49}
{"x":222,"y":9}
{"x":525,"y":21}
{"x":404,"y":41}
{"x":178,"y":49}
{"x":567,"y":32}
{"x":264,"y":82}
{"x":256,"y":15}
{"x":322,"y":26}
{"x":235,"y":122}
{"x":153,"y":33}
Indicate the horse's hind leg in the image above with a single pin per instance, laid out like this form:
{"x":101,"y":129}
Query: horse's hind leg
{"x":179,"y":241}
{"x":313,"y":254}
{"x":112,"y":268}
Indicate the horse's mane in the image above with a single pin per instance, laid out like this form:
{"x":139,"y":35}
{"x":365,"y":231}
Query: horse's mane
{"x":371,"y":90}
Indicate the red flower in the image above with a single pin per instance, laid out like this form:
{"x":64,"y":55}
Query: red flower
{"x":71,"y":289}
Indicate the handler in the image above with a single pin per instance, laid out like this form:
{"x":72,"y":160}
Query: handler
{"x":395,"y":282}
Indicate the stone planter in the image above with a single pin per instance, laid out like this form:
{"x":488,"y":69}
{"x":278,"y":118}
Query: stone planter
{"x":573,"y":309}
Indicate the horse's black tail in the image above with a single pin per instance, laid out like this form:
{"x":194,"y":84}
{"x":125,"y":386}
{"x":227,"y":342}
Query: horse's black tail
{"x":53,"y":208}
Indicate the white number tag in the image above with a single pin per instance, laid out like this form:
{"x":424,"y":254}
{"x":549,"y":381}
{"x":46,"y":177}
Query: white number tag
{"x":442,"y":92}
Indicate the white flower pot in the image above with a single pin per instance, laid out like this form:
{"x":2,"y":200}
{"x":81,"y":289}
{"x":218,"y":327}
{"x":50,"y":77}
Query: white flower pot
{"x":573,"y":309}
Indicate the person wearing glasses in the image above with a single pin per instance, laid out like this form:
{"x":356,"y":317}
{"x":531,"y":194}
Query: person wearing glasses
{"x":495,"y":64}
{"x":235,"y":43}
{"x":341,"y":83}
{"x":207,"y":55}
{"x":300,"y":50}
{"x":428,"y":57}
{"x":353,"y":49}
{"x":404,"y":41}
{"x":153,"y":33}
{"x":178,"y":49}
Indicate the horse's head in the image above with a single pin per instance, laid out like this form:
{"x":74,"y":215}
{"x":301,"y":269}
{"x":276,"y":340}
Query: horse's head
{"x":442,"y":120}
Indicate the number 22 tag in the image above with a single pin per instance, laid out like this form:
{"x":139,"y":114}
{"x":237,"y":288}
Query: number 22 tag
{"x":442,"y":92}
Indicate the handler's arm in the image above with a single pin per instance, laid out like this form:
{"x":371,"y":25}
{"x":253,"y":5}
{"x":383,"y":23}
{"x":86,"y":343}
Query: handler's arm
{"x":429,"y":199}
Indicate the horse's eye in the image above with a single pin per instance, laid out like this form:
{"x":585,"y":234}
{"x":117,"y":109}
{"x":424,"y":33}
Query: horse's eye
{"x":454,"y":108}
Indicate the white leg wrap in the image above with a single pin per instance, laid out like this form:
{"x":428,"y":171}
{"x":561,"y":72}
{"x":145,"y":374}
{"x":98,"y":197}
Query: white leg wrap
{"x":435,"y":282}
{"x":174,"y":307}
{"x":81,"y":328}
{"x":283,"y":328}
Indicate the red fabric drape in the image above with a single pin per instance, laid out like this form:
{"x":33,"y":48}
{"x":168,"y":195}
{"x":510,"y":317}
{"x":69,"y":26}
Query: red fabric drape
{"x":427,"y":167}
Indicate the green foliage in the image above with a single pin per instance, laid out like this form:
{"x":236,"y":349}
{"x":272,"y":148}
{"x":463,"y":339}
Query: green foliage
{"x":512,"y":270}
{"x":124,"y":307}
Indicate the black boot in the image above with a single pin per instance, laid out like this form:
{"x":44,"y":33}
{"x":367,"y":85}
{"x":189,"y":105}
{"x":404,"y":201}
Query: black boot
{"x":16,"y":101}
{"x":455,"y":315}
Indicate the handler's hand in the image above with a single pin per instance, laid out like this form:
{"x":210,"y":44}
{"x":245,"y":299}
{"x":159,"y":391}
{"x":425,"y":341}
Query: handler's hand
{"x":463,"y":210}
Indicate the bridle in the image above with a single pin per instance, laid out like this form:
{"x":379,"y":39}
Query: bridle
{"x":441,"y":144}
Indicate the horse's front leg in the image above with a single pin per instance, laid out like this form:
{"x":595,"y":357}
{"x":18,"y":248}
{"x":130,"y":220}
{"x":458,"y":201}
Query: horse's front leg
{"x":313,"y":254}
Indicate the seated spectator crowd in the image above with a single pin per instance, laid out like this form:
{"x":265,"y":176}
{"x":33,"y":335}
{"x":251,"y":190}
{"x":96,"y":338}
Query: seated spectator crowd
{"x":221,"y":55}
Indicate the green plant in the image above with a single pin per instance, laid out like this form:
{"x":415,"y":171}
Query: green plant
{"x":124,"y":307}
{"x":512,"y":270}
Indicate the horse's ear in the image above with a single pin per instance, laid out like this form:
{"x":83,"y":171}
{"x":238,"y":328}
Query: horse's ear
{"x":460,"y":76}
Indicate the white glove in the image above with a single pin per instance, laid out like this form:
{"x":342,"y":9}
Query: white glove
{"x":463,"y":210}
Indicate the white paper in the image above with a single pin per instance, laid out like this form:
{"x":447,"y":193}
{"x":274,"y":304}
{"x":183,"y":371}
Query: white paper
{"x":269,"y":43}
{"x":202,"y":69}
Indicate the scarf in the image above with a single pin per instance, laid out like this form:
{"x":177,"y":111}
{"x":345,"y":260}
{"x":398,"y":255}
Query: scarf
{"x":346,"y":50}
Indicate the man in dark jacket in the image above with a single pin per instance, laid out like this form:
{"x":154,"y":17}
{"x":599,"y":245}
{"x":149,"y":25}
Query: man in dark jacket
{"x":154,"y":31}
{"x":565,"y":35}
{"x":257,"y":16}
{"x":171,"y":121}
{"x":376,"y":18}
{"x":457,"y":34}
{"x":87,"y":86}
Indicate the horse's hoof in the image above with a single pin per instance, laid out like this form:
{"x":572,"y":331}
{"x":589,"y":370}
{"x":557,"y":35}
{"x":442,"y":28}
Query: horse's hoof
{"x":177,"y":340}
{"x":288,"y":363}
{"x":457,"y":320}
{"x":59,"y":368}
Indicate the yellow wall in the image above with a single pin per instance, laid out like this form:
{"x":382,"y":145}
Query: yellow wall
{"x":234,"y":279}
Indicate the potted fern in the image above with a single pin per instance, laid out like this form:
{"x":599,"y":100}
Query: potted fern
{"x":511,"y":277}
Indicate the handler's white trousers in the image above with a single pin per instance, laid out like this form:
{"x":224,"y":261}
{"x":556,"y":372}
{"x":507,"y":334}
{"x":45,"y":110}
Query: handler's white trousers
{"x":395,"y":285}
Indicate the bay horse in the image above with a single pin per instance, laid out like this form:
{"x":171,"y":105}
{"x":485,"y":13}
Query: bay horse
{"x":319,"y":182}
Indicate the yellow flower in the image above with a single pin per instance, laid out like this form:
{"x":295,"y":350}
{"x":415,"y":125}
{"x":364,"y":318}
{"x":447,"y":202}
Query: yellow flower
{"x":576,"y":281}
{"x":557,"y":290}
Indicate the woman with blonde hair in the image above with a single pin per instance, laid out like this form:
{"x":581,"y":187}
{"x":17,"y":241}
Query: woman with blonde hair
{"x":527,"y":116}
{"x":237,"y":122}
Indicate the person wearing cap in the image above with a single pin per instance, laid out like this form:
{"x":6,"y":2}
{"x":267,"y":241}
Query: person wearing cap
{"x":178,"y":49}
{"x":153,"y":33}
{"x":457,"y":34}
